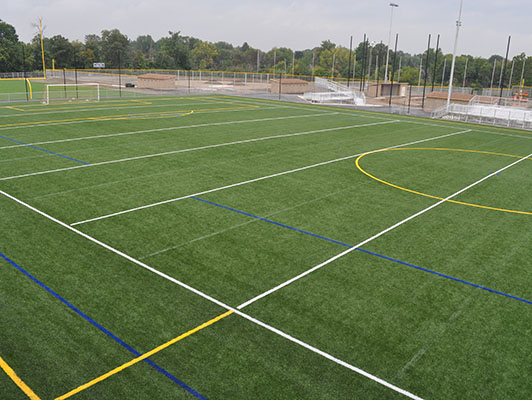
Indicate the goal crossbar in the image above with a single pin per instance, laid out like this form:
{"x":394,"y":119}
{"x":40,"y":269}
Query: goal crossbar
{"x":67,"y":93}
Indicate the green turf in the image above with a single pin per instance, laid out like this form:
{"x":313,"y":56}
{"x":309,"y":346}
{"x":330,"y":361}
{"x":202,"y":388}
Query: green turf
{"x":426,"y":334}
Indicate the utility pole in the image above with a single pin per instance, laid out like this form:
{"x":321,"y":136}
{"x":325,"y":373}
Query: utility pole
{"x":465,"y":72}
{"x":522,"y":81}
{"x":392,"y":5}
{"x":426,"y":75}
{"x":443,"y":73}
{"x":458,"y":25}
{"x":436,"y":62}
{"x":493,"y":73}
{"x":350,"y":54}
{"x":504,"y":66}
{"x":512,"y":74}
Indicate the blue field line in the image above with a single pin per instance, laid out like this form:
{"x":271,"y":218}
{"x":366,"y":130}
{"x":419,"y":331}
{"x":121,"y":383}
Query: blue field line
{"x":101,"y":328}
{"x":46,"y":151}
{"x":369,"y":252}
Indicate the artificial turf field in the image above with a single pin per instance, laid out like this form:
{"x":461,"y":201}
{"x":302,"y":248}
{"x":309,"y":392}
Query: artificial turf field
{"x":269,"y":257}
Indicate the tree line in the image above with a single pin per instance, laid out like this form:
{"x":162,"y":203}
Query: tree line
{"x":177,"y":51}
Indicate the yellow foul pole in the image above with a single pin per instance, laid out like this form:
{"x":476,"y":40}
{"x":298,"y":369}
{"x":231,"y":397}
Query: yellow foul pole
{"x":42,"y":48}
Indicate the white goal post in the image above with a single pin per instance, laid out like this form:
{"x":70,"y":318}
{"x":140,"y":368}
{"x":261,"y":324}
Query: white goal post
{"x":72,"y":91}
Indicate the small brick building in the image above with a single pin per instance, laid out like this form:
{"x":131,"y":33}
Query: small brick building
{"x":289,"y":86}
{"x":156,"y":81}
{"x":436,"y":100}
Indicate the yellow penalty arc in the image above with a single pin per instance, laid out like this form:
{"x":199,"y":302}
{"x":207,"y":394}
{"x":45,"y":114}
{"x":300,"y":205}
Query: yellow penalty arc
{"x":357,"y":163}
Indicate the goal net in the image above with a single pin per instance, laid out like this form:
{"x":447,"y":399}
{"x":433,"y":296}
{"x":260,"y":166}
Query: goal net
{"x":72,"y":92}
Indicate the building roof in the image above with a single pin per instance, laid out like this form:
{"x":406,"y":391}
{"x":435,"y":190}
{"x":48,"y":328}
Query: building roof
{"x":454,"y":96}
{"x":160,"y":77}
{"x":290,"y":81}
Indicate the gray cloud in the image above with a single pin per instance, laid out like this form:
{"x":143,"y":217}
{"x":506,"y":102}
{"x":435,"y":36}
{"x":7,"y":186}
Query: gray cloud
{"x":297,"y":24}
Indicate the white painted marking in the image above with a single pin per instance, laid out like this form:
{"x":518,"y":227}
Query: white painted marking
{"x":219,"y":303}
{"x":173,"y":128}
{"x":343,"y":253}
{"x":258,"y":179}
{"x":211,"y":146}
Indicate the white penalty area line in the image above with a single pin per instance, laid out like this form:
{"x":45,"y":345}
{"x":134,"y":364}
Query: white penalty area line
{"x":169,"y":129}
{"x":351,"y":249}
{"x":189,"y":150}
{"x":262,"y":178}
{"x":219,"y":303}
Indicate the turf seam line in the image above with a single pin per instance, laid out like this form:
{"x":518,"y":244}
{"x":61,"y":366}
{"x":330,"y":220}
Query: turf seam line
{"x":364,"y":242}
{"x":143,"y":357}
{"x":100,"y":327}
{"x":255,"y":180}
{"x":17,"y":381}
{"x":41,"y":149}
{"x":217,"y":302}
{"x":174,"y":128}
{"x":232,"y":227}
{"x":366,"y":251}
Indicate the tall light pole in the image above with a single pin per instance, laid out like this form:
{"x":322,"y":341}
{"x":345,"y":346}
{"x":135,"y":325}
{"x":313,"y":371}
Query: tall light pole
{"x":392,"y":5}
{"x":458,"y":25}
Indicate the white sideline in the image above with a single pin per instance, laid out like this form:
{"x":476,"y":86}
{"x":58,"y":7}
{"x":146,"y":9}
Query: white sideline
{"x":219,"y":303}
{"x":330,"y":260}
{"x":259,"y":179}
{"x":111,"y":118}
{"x":211,"y":146}
{"x":170,"y":129}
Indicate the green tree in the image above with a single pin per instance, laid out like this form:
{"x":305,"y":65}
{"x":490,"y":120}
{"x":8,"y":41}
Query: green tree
{"x":62,"y":51}
{"x":176,"y":48}
{"x":203,"y":55}
{"x":10,"y":49}
{"x":115,"y":48}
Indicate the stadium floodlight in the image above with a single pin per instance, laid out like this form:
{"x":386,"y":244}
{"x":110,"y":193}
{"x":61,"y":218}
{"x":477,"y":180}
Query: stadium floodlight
{"x":458,"y":25}
{"x":392,"y":5}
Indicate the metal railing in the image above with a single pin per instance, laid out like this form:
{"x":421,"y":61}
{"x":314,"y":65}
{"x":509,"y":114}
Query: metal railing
{"x":488,"y":114}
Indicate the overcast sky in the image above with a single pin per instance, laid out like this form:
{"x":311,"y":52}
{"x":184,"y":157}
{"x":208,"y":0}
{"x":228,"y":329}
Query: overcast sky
{"x":296,"y":24}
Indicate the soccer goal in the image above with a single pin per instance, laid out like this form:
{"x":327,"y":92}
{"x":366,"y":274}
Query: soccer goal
{"x":72,"y":92}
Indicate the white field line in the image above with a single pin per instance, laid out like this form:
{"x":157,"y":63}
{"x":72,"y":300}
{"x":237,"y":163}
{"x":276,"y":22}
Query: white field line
{"x":211,"y":146}
{"x":108,"y":107}
{"x":219,"y":303}
{"x":336,"y":257}
{"x":171,"y":129}
{"x":111,"y":118}
{"x":259,"y":179}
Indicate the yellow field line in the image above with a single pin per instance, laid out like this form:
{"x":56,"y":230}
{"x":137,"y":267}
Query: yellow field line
{"x":84,"y":106}
{"x":121,"y":116}
{"x":143,"y":357}
{"x":19,"y":382}
{"x":357,"y":163}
